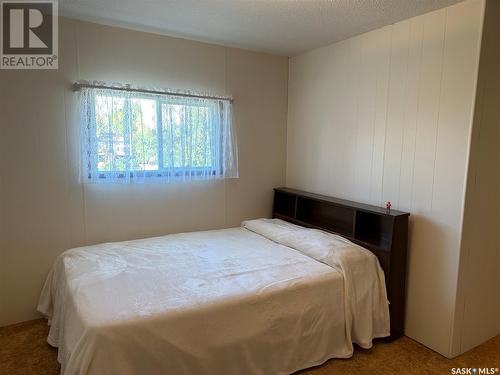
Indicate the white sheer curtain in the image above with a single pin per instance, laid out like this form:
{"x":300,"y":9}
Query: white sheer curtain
{"x":135,"y":137}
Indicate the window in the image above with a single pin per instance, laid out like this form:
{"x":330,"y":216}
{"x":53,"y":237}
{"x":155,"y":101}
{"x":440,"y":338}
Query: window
{"x":133,"y":137}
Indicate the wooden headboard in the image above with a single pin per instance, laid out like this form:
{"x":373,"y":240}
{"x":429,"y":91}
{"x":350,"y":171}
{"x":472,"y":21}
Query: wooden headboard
{"x":384,"y":233}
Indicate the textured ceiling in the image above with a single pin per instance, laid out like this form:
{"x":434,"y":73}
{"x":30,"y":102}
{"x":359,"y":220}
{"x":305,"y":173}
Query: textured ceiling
{"x":282,"y":27}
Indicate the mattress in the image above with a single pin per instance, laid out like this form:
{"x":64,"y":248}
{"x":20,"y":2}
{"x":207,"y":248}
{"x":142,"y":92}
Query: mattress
{"x":265,"y":298}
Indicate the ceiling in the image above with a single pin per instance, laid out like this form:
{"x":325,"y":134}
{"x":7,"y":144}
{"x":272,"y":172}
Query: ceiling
{"x":281,"y":27}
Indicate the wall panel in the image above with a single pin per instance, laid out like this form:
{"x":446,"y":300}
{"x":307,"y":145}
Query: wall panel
{"x":394,"y":126}
{"x":45,"y":210}
{"x":478,"y":308}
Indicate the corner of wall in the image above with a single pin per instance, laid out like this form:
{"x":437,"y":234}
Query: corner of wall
{"x":475,"y":247}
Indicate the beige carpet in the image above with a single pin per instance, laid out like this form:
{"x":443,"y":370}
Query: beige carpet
{"x":23,"y":350}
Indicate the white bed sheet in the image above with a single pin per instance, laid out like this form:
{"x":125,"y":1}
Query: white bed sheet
{"x":217,"y":302}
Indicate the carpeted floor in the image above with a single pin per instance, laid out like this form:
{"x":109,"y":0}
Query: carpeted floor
{"x":23,"y":350}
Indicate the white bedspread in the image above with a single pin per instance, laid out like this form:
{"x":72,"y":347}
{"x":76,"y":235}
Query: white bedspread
{"x":366,"y":307}
{"x":218,"y":302}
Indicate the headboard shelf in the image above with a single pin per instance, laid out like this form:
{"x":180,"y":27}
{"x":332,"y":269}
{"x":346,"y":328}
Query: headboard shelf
{"x":384,"y":233}
{"x":340,"y":202}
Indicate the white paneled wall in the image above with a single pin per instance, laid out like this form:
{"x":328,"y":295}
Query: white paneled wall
{"x":43,"y":208}
{"x":386,"y":116}
{"x":478,"y":305}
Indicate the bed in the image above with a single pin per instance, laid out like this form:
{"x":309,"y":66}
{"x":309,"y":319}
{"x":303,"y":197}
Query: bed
{"x":269,"y":297}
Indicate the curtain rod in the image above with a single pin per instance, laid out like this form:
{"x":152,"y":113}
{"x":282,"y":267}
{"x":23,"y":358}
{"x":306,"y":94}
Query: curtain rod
{"x":78,"y":86}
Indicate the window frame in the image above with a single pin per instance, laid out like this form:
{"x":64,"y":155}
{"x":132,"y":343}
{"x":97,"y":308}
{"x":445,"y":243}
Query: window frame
{"x":161,"y":171}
